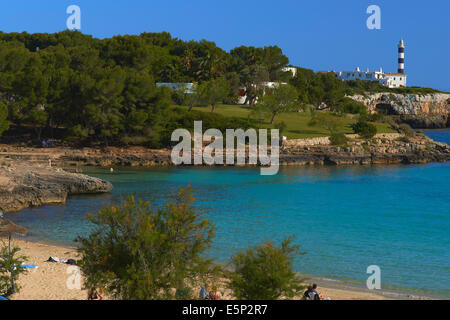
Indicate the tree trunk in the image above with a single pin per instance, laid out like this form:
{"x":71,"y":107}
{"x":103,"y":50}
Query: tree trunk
{"x":273,"y":118}
{"x":38,"y":133}
{"x":13,"y":286}
{"x":213,"y":107}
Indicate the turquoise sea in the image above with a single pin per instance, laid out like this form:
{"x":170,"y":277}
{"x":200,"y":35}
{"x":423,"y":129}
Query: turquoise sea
{"x":346,"y":218}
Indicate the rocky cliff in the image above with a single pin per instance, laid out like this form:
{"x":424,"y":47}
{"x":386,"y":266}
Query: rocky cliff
{"x":383,"y":149}
{"x":420,"y":111}
{"x":24,"y":184}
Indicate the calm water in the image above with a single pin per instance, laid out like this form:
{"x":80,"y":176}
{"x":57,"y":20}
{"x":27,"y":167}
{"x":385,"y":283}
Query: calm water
{"x":346,"y":218}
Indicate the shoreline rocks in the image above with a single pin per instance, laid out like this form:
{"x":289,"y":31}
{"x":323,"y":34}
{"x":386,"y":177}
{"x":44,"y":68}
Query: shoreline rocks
{"x":26,"y":179}
{"x":427,"y":111}
{"x":26,"y":184}
{"x":382,"y":149}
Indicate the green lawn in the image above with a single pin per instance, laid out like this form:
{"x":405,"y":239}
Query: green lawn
{"x":296,"y":122}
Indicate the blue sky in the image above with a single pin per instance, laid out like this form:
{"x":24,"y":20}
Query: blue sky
{"x":316,"y":34}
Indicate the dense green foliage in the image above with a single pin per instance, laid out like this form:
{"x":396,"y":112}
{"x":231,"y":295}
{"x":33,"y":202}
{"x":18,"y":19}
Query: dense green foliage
{"x":338,"y":139}
{"x":213,"y":92}
{"x":406,"y":130}
{"x":364,"y":129}
{"x":104,"y":90}
{"x":279,"y":99}
{"x":265,"y":272}
{"x":4,"y":123}
{"x":9,"y":273}
{"x":138,"y":252}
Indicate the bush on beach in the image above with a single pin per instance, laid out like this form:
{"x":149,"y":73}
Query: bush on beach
{"x":140,"y":253}
{"x":9,"y":273}
{"x":137,"y":252}
{"x":265,"y":272}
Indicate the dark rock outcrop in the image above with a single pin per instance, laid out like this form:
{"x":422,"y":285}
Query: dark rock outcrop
{"x":437,"y":121}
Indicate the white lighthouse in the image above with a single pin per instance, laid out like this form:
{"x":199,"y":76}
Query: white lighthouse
{"x":401,"y":57}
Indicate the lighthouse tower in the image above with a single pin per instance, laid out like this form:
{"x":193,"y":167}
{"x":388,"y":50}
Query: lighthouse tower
{"x":401,"y":57}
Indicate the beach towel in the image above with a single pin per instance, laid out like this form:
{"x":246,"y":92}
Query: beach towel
{"x":2,"y":298}
{"x":29,"y":267}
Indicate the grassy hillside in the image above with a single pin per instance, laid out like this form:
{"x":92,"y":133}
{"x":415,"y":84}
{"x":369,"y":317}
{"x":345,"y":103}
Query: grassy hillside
{"x":296,"y":122}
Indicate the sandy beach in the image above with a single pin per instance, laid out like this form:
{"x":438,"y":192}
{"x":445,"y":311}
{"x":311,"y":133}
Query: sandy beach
{"x":49,"y":281}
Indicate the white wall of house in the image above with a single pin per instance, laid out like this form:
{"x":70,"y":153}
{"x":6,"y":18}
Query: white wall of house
{"x":396,"y":80}
{"x":293,"y":70}
{"x":390,"y":80}
{"x":242,"y":98}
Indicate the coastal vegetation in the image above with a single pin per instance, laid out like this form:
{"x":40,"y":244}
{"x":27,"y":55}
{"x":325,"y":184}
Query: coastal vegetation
{"x":103,"y":91}
{"x":265,"y":272}
{"x":140,"y":252}
{"x":365,"y":129}
{"x":9,"y":268}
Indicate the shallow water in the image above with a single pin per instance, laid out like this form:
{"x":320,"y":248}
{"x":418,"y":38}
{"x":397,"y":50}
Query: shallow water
{"x":345,"y":218}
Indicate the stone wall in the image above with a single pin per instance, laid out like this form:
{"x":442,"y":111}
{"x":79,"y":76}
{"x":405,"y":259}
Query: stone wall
{"x":325,"y":141}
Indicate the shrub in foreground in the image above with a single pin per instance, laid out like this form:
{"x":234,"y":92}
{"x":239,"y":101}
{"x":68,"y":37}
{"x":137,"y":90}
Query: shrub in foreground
{"x":9,"y":273}
{"x":140,"y":253}
{"x":265,"y":272}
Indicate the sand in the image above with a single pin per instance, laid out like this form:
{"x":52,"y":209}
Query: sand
{"x":49,"y":281}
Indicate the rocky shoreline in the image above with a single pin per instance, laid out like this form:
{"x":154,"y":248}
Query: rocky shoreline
{"x":383,"y":149}
{"x":26,"y":178}
{"x":24,"y":184}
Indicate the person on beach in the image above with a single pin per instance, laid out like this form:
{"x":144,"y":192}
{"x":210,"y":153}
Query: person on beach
{"x":213,"y":294}
{"x":95,"y":295}
{"x":311,"y":293}
{"x":204,"y":294}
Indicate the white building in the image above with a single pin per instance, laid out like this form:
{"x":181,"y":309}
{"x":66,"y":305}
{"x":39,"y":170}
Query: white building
{"x":395,"y":80}
{"x":390,"y":80}
{"x":267,"y":85}
{"x":292,"y":70}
